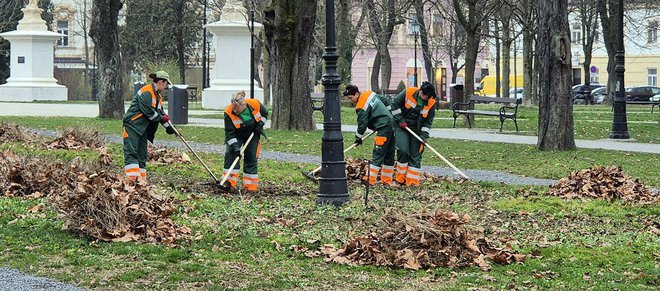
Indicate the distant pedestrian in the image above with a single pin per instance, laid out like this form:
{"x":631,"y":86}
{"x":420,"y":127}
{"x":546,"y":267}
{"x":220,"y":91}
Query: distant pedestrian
{"x":242,"y":118}
{"x":141,"y":122}
{"x":373,"y":114}
{"x":413,"y":108}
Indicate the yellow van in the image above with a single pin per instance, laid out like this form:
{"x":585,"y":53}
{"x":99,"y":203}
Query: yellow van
{"x":487,"y":85}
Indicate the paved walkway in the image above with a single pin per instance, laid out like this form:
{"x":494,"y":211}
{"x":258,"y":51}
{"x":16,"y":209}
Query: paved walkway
{"x":91,"y":110}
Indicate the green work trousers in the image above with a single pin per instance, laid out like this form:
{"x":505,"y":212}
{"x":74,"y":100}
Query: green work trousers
{"x":409,"y":149}
{"x":135,"y":148}
{"x":383,"y":153}
{"x":249,"y":156}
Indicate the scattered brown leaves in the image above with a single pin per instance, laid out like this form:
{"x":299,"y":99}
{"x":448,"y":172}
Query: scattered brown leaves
{"x":422,"y":241}
{"x":79,"y":138}
{"x":10,"y":132}
{"x":93,"y":201}
{"x":606,"y":183}
{"x":165,"y":156}
{"x":357,"y":168}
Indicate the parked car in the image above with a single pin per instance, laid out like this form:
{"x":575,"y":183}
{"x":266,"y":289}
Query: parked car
{"x":516,"y":93}
{"x":641,"y":93}
{"x":598,"y":95}
{"x":582,"y":94}
{"x":656,"y":98}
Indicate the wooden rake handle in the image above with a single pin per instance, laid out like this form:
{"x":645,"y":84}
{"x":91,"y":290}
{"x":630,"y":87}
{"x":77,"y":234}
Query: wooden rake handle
{"x":346,"y":150}
{"x":225,"y":177}
{"x":437,"y":153}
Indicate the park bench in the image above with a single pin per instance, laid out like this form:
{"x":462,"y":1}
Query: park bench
{"x":505,"y":112}
{"x":635,"y":102}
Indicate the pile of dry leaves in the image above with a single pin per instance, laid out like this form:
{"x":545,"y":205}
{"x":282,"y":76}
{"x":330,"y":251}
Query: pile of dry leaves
{"x":77,"y":139}
{"x":93,"y":201}
{"x":421,"y":241}
{"x":10,"y":132}
{"x":164,"y":156}
{"x":607,"y":183}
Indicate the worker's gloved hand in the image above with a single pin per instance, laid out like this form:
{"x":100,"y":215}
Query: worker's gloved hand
{"x":358,"y":140}
{"x":424,"y":135}
{"x":259,"y":129}
{"x":170,"y":130}
{"x":166,"y":118}
{"x":403,"y":125}
{"x":235,"y":149}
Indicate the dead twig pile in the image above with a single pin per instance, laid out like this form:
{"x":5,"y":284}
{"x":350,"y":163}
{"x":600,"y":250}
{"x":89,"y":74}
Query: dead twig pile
{"x":93,"y":201}
{"x":421,"y":241}
{"x":10,"y":132}
{"x":77,"y":139}
{"x":164,"y":156}
{"x":606,"y":183}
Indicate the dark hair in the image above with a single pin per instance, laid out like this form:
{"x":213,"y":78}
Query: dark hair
{"x":154,"y":79}
{"x":351,"y":90}
{"x":428,"y":89}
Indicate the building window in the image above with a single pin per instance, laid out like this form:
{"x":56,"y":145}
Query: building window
{"x":653,"y":77}
{"x":576,"y":35}
{"x":412,"y":21}
{"x":653,"y":32}
{"x":63,"y":28}
{"x":437,"y":23}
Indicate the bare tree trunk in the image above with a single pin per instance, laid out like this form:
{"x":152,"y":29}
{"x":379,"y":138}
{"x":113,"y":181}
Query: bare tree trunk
{"x":608,"y":11}
{"x":555,"y":107}
{"x":180,"y":8}
{"x":104,"y":33}
{"x":506,"y":55}
{"x":424,"y":37}
{"x":289,"y":29}
{"x":498,"y":61}
{"x":528,"y":60}
{"x":375,"y":73}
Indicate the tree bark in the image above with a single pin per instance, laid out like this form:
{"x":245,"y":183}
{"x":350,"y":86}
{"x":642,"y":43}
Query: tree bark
{"x":289,"y":29}
{"x":554,"y":48}
{"x":424,"y":39}
{"x":607,"y":9}
{"x":104,"y":33}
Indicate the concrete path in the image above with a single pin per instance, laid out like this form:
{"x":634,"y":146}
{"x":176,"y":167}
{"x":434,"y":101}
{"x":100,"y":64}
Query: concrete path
{"x":91,"y":110}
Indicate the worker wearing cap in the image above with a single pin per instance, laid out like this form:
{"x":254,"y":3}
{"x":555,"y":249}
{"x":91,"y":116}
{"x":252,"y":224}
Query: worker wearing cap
{"x":141,"y":122}
{"x":413,"y":108}
{"x":373,"y":114}
{"x":242,"y":118}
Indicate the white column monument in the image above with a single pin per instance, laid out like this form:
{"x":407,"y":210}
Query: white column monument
{"x":31,"y":66}
{"x":232,"y":57}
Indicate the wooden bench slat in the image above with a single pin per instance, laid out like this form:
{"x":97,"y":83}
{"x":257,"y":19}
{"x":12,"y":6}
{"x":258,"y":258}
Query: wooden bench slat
{"x":503,"y":113}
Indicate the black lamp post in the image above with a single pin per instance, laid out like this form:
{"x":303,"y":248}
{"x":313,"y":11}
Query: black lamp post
{"x":619,"y":122}
{"x":252,"y":51}
{"x":204,"y":55}
{"x":332,"y":183}
{"x":414,"y":25}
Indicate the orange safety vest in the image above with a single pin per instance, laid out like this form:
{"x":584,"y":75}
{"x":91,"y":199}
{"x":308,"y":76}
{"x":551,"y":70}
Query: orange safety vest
{"x":155,"y":101}
{"x":256,"y":112}
{"x":364,"y":100}
{"x":411,"y":101}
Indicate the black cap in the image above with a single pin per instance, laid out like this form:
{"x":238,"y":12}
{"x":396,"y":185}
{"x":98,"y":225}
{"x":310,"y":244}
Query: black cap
{"x":351,"y":90}
{"x":428,"y":89}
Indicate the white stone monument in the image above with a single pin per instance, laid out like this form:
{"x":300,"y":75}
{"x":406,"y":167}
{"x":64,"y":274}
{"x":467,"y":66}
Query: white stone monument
{"x":232,"y":57}
{"x":31,"y":66}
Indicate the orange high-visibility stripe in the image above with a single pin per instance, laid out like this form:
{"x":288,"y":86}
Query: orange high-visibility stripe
{"x":421,"y":148}
{"x":154,"y":99}
{"x":410,"y":99}
{"x":256,"y":112}
{"x":125,"y":133}
{"x":425,"y":110}
{"x":137,"y":116}
{"x":380,"y":140}
{"x":364,"y":100}
{"x":258,"y":150}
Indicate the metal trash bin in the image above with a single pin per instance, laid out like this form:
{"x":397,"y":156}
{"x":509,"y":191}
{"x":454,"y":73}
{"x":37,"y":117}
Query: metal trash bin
{"x":137,"y":86}
{"x":455,"y":93}
{"x":177,"y":104}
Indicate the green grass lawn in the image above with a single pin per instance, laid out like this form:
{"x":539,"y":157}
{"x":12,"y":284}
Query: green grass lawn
{"x":239,"y":244}
{"x":518,"y":159}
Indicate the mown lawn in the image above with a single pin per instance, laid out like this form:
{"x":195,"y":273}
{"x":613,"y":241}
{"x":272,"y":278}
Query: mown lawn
{"x":518,"y":159}
{"x":239,"y":241}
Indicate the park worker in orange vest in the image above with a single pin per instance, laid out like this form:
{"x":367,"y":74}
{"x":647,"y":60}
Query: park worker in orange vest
{"x":242,"y":118}
{"x":413,"y":108}
{"x":373,"y":114}
{"x":141,"y":122}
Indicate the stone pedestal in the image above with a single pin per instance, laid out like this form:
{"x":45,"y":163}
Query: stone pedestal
{"x":31,"y":65}
{"x":232,"y":58}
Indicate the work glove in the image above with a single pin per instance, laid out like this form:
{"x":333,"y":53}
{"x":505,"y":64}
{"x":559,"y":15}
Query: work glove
{"x":403,"y":125}
{"x":235,"y":149}
{"x":166,"y":118}
{"x":358,"y":140}
{"x":259,"y":130}
{"x":424,"y":135}
{"x":170,"y":130}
